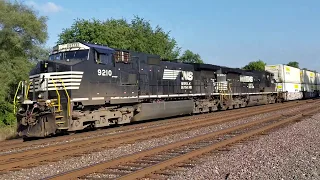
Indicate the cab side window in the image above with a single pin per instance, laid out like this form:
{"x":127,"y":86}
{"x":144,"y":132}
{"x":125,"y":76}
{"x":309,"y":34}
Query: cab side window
{"x":101,"y":58}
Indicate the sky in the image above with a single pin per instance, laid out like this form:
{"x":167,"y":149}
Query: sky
{"x":229,"y":33}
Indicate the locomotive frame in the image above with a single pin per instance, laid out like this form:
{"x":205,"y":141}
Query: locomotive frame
{"x":85,"y":85}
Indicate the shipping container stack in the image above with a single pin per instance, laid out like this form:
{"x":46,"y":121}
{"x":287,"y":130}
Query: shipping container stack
{"x":287,"y":80}
{"x":308,"y":83}
{"x":318,"y":83}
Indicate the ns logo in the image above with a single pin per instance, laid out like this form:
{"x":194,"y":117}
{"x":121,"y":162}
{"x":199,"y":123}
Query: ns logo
{"x":187,"y":75}
{"x":170,"y":74}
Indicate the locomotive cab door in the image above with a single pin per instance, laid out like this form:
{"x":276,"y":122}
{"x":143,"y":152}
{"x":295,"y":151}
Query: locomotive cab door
{"x":128,"y":74}
{"x":143,"y":78}
{"x":143,"y":84}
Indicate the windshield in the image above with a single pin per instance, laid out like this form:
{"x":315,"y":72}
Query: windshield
{"x":80,"y":54}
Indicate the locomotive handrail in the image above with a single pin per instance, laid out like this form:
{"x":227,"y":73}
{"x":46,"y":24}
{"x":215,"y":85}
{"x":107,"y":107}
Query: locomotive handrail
{"x":59,"y":105}
{"x":230,"y":90}
{"x":15,"y":97}
{"x":68,"y":106}
{"x":27,"y":92}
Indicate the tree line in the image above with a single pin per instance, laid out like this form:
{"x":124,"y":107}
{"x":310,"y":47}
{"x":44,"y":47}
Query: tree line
{"x":22,"y":38}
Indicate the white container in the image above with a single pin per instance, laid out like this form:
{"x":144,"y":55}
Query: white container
{"x":284,"y":74}
{"x":293,"y":96}
{"x":309,"y":87}
{"x":318,"y":78}
{"x":293,"y":90}
{"x":308,"y":77}
{"x":318,"y":81}
{"x":290,"y":87}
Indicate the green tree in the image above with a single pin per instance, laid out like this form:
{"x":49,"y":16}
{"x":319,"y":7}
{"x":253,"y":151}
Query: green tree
{"x":22,"y":32}
{"x":293,"y":64}
{"x":137,"y":35}
{"x":189,"y":57}
{"x":39,"y":53}
{"x":255,"y":65}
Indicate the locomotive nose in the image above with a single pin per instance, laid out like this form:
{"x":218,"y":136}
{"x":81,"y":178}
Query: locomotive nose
{"x":51,"y":66}
{"x":44,"y":67}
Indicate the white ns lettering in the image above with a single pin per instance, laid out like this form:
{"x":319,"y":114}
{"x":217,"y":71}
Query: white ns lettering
{"x":187,"y":76}
{"x":104,"y":72}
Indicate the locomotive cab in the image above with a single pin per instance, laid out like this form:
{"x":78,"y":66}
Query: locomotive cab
{"x":43,"y":103}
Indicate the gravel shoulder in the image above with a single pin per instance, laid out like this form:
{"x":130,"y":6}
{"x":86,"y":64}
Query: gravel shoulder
{"x":292,"y":152}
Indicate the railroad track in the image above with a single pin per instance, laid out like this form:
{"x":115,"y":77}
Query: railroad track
{"x":30,"y":158}
{"x":162,"y":161}
{"x":18,"y":143}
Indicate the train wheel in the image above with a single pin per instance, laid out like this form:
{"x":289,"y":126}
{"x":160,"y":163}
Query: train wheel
{"x":222,"y":107}
{"x":26,"y":138}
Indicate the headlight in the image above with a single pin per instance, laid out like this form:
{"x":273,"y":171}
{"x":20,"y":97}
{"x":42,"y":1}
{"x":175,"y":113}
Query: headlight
{"x":40,"y":96}
{"x":48,"y":102}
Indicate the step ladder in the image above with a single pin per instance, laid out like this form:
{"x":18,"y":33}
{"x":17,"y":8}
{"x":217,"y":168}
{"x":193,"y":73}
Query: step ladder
{"x":61,"y":118}
{"x":58,"y":113}
{"x":225,"y":91}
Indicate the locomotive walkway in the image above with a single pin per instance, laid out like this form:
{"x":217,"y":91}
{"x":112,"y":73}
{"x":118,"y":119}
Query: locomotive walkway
{"x":29,"y":158}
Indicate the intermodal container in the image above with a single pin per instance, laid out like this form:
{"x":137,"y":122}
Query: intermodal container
{"x":307,"y":77}
{"x":318,"y":81}
{"x":284,"y":74}
{"x":293,"y":90}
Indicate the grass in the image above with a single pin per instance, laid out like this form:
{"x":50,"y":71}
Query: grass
{"x":7,"y":132}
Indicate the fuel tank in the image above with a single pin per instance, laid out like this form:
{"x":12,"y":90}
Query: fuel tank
{"x":164,"y":109}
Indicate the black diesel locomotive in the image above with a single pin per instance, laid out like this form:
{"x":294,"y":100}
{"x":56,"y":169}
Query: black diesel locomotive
{"x":85,"y":85}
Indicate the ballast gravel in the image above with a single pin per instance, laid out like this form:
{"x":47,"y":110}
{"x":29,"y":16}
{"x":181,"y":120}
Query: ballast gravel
{"x":64,"y":165}
{"x":289,"y":153}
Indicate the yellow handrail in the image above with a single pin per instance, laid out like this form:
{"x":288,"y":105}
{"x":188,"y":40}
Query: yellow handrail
{"x":15,"y":97}
{"x":230,"y":91}
{"x":59,"y":107}
{"x":27,"y":92}
{"x":69,"y":108}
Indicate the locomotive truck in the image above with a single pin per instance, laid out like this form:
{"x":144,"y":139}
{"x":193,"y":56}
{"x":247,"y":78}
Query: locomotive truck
{"x":85,"y":85}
